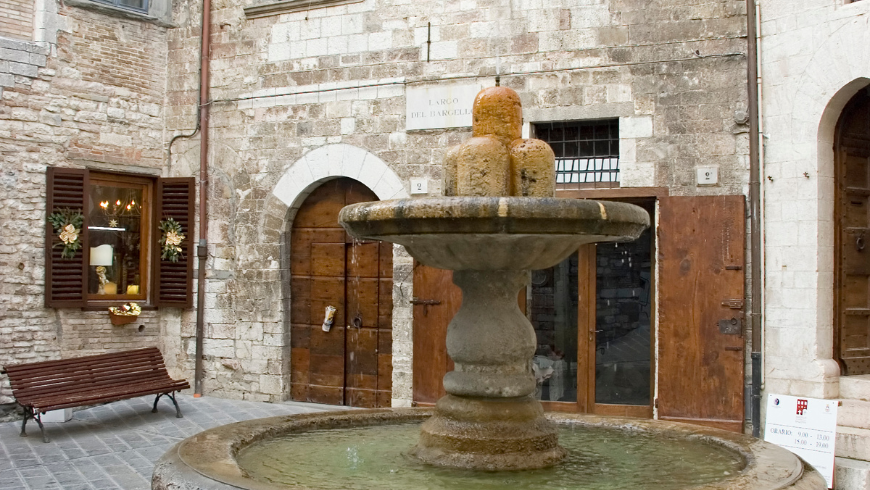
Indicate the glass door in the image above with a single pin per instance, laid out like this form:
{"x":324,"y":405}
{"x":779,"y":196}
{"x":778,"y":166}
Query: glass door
{"x":593,"y":315}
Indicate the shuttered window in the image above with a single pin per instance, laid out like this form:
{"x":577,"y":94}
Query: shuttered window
{"x":103,"y":239}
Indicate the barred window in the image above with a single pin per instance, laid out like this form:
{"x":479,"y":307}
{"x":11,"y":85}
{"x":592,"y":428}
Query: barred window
{"x":137,"y":5}
{"x":587,"y":152}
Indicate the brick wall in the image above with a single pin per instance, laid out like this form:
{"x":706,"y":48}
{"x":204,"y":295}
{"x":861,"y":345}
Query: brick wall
{"x":16,"y":19}
{"x":94,"y":99}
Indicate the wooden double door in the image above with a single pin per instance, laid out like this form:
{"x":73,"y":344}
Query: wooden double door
{"x":351,"y":364}
{"x":852,"y":287}
{"x":600,"y":348}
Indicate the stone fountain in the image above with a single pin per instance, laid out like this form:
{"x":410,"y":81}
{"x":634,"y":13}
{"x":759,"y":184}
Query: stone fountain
{"x":498,"y":221}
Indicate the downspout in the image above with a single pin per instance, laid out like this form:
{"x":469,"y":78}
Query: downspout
{"x":202,"y":248}
{"x":754,"y":214}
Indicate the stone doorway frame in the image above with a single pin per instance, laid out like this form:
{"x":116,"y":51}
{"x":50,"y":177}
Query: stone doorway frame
{"x":295,"y":184}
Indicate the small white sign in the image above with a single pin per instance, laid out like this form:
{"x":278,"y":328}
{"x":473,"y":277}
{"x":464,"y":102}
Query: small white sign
{"x":419,"y":186}
{"x":441,"y":106}
{"x":806,"y":427}
{"x":708,"y":175}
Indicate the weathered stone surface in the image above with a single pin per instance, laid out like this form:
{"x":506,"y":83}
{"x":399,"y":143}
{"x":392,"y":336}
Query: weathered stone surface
{"x":482,"y":167}
{"x":532,"y":164}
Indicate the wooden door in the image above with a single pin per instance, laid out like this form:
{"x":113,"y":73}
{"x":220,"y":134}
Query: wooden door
{"x":351,"y":363}
{"x":436,"y":300}
{"x":701,"y":357}
{"x":852,"y":289}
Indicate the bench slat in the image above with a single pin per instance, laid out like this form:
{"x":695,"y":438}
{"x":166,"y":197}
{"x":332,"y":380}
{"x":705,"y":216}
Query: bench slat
{"x":92,"y":384}
{"x":58,"y":368}
{"x":76,"y":375}
{"x":97,"y":358}
{"x":107,"y":397}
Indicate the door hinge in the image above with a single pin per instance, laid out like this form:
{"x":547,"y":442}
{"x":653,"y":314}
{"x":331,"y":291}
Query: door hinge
{"x":656,"y":403}
{"x":733,"y":303}
{"x":426,"y":302}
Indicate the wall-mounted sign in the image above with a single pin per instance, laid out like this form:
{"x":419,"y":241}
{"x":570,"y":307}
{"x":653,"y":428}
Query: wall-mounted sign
{"x":441,"y":106}
{"x":806,"y":427}
{"x":419,"y":185}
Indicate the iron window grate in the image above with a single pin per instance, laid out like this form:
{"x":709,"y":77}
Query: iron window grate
{"x":135,"y":5}
{"x":587,"y":152}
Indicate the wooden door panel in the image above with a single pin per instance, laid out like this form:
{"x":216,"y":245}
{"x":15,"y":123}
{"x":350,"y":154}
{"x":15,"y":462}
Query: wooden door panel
{"x":362,"y":301}
{"x":327,"y":395}
{"x":431,"y":362}
{"x":701,"y":261}
{"x":299,"y":365}
{"x":321,"y":208}
{"x":327,"y":259}
{"x":362,"y":259}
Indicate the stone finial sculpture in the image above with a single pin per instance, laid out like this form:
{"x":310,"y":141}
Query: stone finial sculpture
{"x":497,"y":161}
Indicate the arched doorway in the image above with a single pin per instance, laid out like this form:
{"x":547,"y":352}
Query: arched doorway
{"x":852,"y":215}
{"x":351,"y":364}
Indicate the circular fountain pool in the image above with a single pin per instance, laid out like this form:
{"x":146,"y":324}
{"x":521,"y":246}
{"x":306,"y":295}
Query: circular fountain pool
{"x":366,"y":449}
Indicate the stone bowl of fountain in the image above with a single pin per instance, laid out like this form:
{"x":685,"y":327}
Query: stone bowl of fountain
{"x":497,"y":221}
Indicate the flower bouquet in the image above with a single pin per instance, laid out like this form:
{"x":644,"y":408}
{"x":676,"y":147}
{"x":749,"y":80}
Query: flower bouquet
{"x":124,"y":314}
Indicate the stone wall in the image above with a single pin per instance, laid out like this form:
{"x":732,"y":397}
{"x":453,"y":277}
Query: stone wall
{"x":813,"y":62}
{"x":92,"y":99}
{"x":291,"y":83}
{"x":301,"y":97}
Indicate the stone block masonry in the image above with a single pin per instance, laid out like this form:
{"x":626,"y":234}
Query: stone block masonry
{"x":111,"y":92}
{"x":289,"y":84}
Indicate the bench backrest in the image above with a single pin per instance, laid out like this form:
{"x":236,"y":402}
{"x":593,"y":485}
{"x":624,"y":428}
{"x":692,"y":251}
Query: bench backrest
{"x":74,"y":376}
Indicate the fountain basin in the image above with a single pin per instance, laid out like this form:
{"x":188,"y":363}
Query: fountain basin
{"x":209,"y":459}
{"x":493,"y":233}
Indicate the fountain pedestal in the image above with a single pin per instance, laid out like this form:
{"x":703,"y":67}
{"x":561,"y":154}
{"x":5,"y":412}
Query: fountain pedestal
{"x":489,"y":418}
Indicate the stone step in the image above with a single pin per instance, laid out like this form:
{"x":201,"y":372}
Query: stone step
{"x":854,"y":413}
{"x":851,"y":474}
{"x":853,"y":443}
{"x":855,"y":387}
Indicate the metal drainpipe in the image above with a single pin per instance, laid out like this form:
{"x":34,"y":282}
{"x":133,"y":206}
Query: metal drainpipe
{"x":202,"y":248}
{"x":754,"y":215}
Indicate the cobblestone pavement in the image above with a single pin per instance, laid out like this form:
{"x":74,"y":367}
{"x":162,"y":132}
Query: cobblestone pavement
{"x":115,"y":446}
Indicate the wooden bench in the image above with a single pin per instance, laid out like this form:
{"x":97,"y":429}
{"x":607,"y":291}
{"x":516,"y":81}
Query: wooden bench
{"x":66,"y":383}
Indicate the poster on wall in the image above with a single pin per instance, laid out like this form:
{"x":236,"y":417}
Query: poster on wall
{"x":441,"y":106}
{"x":806,"y":427}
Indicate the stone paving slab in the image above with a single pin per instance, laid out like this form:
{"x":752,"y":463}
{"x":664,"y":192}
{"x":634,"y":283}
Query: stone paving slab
{"x":115,"y":446}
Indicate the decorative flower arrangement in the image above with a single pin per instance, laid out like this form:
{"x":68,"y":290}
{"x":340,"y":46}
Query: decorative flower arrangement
{"x":67,"y":224}
{"x":128,"y":309}
{"x":171,"y":239}
{"x":124,"y":314}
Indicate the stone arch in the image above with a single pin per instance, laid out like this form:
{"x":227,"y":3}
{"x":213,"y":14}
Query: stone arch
{"x":330,"y":162}
{"x":296,"y":183}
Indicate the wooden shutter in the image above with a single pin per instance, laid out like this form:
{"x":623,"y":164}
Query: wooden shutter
{"x":701,"y":294}
{"x":65,"y":279}
{"x":173,"y":281}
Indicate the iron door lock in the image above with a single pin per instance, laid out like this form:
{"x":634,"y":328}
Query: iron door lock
{"x":731,"y":326}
